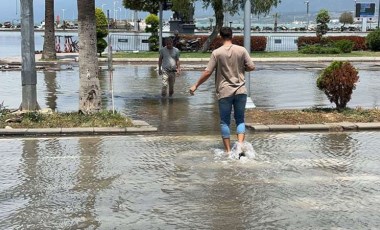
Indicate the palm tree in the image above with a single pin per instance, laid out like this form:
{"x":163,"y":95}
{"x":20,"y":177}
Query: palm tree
{"x":89,"y":92}
{"x":49,"y":38}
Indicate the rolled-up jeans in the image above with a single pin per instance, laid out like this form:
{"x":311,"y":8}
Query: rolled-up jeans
{"x":237,"y":102}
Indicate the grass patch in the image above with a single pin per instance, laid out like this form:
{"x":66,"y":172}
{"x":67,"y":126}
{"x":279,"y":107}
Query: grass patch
{"x":253,"y":55}
{"x":64,"y":120}
{"x":311,"y":116}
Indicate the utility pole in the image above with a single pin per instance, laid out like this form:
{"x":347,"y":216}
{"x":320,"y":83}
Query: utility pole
{"x":378,"y":16}
{"x":276,"y":16}
{"x":135,"y":19}
{"x":307,"y":12}
{"x":110,"y":67}
{"x":247,"y":45}
{"x":160,"y":25}
{"x":28,"y":72}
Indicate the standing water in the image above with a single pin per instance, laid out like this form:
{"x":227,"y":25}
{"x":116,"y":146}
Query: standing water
{"x":178,"y":178}
{"x":296,"y":181}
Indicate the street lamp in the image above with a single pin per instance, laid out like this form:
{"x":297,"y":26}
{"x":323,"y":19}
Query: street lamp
{"x":103,"y":6}
{"x":307,"y":12}
{"x":211,"y":20}
{"x":63,"y":19}
{"x":63,"y":14}
{"x":114,"y":10}
{"x":230,"y":24}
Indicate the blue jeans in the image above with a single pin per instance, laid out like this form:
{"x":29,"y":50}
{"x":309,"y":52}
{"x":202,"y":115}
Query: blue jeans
{"x":237,"y":102}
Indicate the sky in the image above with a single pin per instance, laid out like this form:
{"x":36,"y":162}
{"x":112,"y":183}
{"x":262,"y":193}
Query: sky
{"x":67,"y":9}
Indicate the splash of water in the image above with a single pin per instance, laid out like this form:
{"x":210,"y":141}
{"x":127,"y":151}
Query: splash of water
{"x":246,"y":148}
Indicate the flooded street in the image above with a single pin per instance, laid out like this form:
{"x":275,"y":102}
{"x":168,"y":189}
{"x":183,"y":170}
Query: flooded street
{"x":177,"y":178}
{"x":137,"y":93}
{"x":297,"y":181}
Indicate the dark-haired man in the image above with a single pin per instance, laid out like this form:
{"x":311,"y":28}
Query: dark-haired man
{"x":229,"y":62}
{"x":168,"y":66}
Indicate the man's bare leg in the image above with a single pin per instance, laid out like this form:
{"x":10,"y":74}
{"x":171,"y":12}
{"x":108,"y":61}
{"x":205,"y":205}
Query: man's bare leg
{"x":227,"y":145}
{"x":239,"y":146}
{"x":241,"y":137}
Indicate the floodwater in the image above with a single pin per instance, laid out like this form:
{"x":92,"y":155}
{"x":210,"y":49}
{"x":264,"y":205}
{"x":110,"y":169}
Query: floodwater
{"x":177,"y":178}
{"x":296,"y":181}
{"x":136,"y":90}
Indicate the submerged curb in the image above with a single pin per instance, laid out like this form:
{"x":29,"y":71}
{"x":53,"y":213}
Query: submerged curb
{"x":139,"y":127}
{"x":328,"y":127}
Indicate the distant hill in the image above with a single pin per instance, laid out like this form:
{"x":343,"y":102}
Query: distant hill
{"x":316,"y":5}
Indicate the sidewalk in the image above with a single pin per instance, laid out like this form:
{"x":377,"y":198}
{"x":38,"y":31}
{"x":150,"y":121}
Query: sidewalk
{"x":73,"y":57}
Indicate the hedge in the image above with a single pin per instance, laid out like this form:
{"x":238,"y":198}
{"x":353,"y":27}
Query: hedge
{"x":258,"y":43}
{"x":359,"y":42}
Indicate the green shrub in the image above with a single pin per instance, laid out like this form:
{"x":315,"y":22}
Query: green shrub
{"x":373,"y":40}
{"x":101,"y":45}
{"x":345,"y":46}
{"x":153,"y":23}
{"x":33,"y":117}
{"x":338,"y":81}
{"x":318,"y":49}
{"x":258,"y":43}
{"x":359,"y":41}
{"x":101,"y":30}
{"x":153,"y":43}
{"x":3,"y":109}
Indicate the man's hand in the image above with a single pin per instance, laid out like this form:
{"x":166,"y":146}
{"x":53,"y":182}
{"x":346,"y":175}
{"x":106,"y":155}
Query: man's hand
{"x":192,"y":89}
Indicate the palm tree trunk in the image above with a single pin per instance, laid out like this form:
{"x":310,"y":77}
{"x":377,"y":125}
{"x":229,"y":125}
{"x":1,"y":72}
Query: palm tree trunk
{"x":49,"y":37}
{"x":219,"y":17}
{"x":89,"y":92}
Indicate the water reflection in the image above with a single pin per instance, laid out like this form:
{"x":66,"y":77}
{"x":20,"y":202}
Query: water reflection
{"x":337,"y":152}
{"x":51,"y":89}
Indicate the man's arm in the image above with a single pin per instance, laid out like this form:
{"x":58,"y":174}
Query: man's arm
{"x":248,"y":63}
{"x":178,"y":66}
{"x":205,"y":75}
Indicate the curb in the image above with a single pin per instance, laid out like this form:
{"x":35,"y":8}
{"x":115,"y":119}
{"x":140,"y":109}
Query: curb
{"x":62,"y":60}
{"x":326,"y":127}
{"x":139,"y":127}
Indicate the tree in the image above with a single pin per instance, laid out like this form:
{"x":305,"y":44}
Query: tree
{"x":346,"y":17}
{"x":101,"y":30}
{"x":89,"y":92}
{"x":185,"y":8}
{"x":150,"y":6}
{"x":49,"y":36}
{"x":219,"y":7}
{"x":152,"y":22}
{"x":322,"y":19}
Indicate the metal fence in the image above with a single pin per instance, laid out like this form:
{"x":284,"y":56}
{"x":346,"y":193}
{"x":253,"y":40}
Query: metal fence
{"x":282,"y":43}
{"x":123,"y":42}
{"x":275,"y":42}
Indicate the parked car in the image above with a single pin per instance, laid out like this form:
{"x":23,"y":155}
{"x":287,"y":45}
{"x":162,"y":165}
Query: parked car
{"x":7,"y":25}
